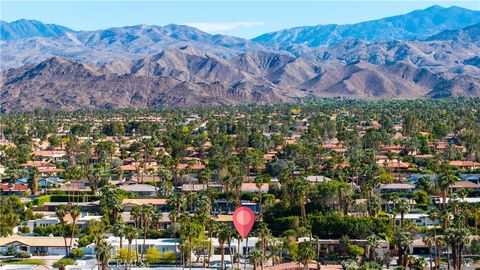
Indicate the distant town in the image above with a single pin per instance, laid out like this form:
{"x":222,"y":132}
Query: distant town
{"x":333,"y":183}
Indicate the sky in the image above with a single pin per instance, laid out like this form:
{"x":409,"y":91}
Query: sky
{"x":238,"y":18}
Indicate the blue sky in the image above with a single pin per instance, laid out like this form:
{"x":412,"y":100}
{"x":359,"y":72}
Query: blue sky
{"x":239,"y":18}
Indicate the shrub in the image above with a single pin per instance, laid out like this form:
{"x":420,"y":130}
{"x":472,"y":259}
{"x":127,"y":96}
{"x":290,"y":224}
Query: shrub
{"x":152,"y":255}
{"x":155,"y":234}
{"x":76,"y":253}
{"x":168,"y":256}
{"x":85,"y":240}
{"x":24,"y":229}
{"x":355,"y":251}
{"x":124,"y":256}
{"x":22,"y":254}
{"x":63,"y":262}
{"x":40,"y":201}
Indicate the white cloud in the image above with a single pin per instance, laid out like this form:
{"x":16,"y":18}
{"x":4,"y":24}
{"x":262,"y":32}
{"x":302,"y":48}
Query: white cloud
{"x":215,"y":27}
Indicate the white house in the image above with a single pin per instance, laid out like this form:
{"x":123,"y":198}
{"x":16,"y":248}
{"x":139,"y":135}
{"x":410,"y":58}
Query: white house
{"x":42,"y":222}
{"x":418,"y":219}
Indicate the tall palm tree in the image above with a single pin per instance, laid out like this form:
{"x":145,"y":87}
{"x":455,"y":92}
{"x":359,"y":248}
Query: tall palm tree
{"x":146,"y":214}
{"x":403,"y":239}
{"x":61,"y":211}
{"x":429,"y":241}
{"x":165,"y":175}
{"x":131,"y":233}
{"x":33,"y":182}
{"x":264,"y":233}
{"x":403,"y":207}
{"x":261,"y":179}
{"x":457,"y":238}
{"x":447,"y":179}
{"x":223,"y":235}
{"x":74,"y":213}
{"x":119,"y":231}
{"x":103,"y":254}
{"x":302,"y":189}
{"x":212,"y":228}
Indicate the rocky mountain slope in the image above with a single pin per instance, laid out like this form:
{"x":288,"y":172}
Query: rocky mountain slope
{"x":188,"y":76}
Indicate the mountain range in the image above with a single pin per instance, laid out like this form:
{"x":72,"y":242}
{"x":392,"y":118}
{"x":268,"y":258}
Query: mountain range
{"x":425,"y":53}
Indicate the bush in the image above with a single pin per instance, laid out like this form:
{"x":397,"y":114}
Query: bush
{"x":155,"y":234}
{"x":152,"y":255}
{"x":125,"y":257}
{"x":85,"y":240}
{"x":80,"y":198}
{"x":40,"y":201}
{"x":355,"y":251}
{"x":168,"y":256}
{"x":22,"y":254}
{"x":76,"y":253}
{"x":24,"y":229}
{"x":63,"y":262}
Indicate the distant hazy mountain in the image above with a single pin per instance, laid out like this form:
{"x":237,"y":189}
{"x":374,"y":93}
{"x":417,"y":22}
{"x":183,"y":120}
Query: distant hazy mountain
{"x":30,"y":28}
{"x":467,"y":34}
{"x":418,"y":24}
{"x":102,"y":46}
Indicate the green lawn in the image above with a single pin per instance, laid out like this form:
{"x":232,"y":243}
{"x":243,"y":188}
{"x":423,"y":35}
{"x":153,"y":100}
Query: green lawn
{"x":25,"y":261}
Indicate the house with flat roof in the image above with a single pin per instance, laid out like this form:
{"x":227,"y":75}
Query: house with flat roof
{"x":128,"y":204}
{"x":140,"y":189}
{"x":421,"y":220}
{"x":35,"y":245}
{"x":396,"y":187}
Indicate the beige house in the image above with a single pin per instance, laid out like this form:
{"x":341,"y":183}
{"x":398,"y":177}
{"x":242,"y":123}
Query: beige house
{"x":35,"y":245}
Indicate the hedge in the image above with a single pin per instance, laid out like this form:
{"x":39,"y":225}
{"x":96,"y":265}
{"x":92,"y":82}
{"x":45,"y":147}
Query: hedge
{"x":40,"y":201}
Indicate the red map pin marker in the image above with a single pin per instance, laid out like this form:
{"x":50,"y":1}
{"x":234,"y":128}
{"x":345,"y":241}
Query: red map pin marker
{"x":243,"y":219}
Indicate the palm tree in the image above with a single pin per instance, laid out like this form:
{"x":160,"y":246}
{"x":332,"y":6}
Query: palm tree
{"x":111,"y":203}
{"x":119,"y":231}
{"x":264,"y":233}
{"x":212,"y":228}
{"x":255,"y":258}
{"x":104,"y":253}
{"x":403,"y":207}
{"x":146,"y":214}
{"x":33,"y":183}
{"x":457,"y":238}
{"x":261,"y":179}
{"x":74,"y":213}
{"x":403,"y":239}
{"x":429,"y":241}
{"x":444,"y":182}
{"x":223,"y":235}
{"x":130,"y":233}
{"x":373,"y":242}
{"x":165,"y":175}
{"x":306,"y":253}
{"x":61,"y":211}
{"x":301,"y":189}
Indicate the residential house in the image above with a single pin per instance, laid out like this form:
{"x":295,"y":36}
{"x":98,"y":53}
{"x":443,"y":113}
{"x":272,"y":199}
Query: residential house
{"x":396,"y":187}
{"x":140,"y":189}
{"x":13,"y":189}
{"x":128,"y":204}
{"x":35,"y":245}
{"x":464,"y":164}
{"x":421,"y":220}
